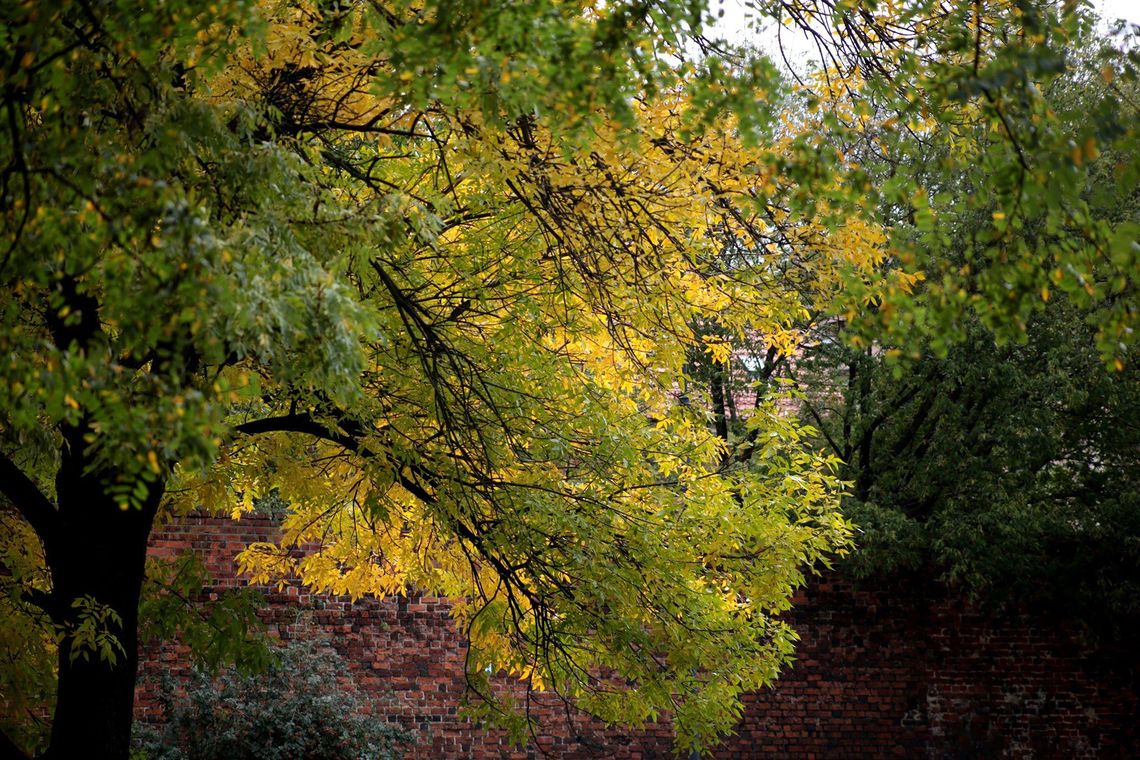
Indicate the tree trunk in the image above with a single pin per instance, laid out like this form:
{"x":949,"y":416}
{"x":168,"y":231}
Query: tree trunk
{"x":99,"y":555}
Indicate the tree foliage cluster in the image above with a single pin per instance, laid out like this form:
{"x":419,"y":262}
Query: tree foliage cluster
{"x":457,"y":283}
{"x":1007,"y":471}
{"x":999,"y":452}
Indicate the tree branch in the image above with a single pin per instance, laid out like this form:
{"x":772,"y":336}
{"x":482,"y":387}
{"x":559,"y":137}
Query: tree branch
{"x":28,"y":499}
{"x":841,"y":453}
{"x":307,"y":425}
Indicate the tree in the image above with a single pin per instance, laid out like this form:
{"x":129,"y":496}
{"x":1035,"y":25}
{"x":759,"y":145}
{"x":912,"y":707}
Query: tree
{"x":1006,"y":468}
{"x":428,"y":274}
{"x":1008,"y":472}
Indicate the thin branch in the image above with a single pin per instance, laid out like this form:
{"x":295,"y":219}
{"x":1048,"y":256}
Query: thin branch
{"x":307,"y":425}
{"x":28,"y":499}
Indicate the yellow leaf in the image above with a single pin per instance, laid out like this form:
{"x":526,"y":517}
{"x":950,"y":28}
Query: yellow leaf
{"x":1091,"y":151}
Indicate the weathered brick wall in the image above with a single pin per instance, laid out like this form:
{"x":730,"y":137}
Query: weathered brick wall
{"x":899,"y":672}
{"x":907,"y":672}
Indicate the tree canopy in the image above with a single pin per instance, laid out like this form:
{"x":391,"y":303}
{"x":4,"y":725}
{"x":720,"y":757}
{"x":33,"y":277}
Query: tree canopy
{"x":1006,"y":468}
{"x":434,"y":274}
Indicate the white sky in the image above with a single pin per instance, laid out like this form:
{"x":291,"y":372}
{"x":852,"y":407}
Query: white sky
{"x":737,"y":21}
{"x":1129,"y":10}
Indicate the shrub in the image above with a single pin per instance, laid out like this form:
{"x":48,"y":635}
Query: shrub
{"x":304,"y":706}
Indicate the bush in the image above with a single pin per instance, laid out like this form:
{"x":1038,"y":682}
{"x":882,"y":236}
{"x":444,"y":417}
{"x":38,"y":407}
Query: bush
{"x":304,"y":706}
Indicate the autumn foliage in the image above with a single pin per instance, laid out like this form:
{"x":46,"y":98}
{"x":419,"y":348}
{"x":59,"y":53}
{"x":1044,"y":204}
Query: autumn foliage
{"x":437,"y":277}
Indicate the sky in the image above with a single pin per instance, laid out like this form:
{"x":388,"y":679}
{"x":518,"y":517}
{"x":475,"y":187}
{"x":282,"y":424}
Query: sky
{"x":735,"y":25}
{"x":1129,"y":10}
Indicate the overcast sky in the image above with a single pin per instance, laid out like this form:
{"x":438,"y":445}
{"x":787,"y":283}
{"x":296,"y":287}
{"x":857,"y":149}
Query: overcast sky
{"x":1129,"y":10}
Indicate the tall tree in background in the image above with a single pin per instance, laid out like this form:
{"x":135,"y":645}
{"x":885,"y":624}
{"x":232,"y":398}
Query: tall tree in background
{"x":1000,"y":451}
{"x":1007,"y":471}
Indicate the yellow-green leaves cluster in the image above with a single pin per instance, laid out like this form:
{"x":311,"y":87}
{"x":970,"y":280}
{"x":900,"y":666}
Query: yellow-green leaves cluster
{"x":524,"y":436}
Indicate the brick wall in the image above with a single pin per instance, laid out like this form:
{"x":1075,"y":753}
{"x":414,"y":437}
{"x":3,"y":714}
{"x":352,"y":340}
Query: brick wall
{"x":902,"y":672}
